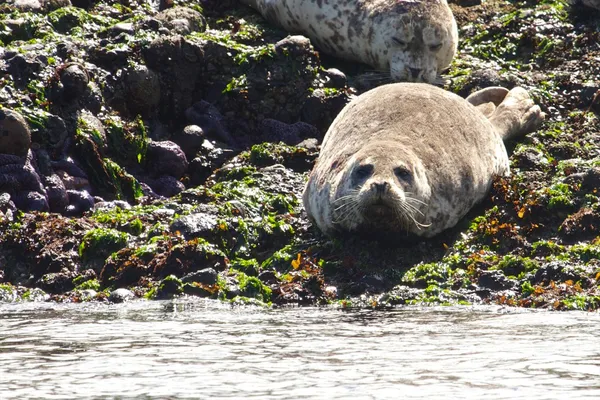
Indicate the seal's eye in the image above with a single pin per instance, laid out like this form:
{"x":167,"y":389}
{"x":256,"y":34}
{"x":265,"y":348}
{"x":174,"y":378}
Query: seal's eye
{"x":363,"y":171}
{"x":399,"y":42}
{"x":403,"y":174}
{"x":435,"y":47}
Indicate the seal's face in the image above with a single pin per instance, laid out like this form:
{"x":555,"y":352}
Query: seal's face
{"x":419,"y":48}
{"x":382,"y":191}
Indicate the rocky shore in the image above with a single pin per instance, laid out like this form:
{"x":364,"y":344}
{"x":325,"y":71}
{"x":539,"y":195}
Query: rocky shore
{"x":157,"y":149}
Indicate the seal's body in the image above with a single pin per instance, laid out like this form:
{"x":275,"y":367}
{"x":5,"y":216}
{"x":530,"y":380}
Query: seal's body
{"x":409,"y":158}
{"x":413,"y":40}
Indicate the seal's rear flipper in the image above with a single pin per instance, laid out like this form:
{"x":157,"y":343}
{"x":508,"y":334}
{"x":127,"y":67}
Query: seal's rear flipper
{"x":517,"y":115}
{"x":492,"y":94}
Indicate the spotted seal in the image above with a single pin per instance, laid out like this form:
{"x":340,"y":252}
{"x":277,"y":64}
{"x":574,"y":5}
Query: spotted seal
{"x":412,"y":40}
{"x":411,"y":158}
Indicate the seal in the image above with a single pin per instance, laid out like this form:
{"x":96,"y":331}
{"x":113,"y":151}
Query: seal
{"x":412,"y":159}
{"x":412,"y":40}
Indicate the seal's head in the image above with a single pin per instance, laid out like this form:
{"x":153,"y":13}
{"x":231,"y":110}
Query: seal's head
{"x":419,"y":37}
{"x":382,"y":190}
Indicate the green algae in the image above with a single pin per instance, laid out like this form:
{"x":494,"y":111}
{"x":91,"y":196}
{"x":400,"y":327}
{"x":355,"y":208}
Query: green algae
{"x":99,"y":243}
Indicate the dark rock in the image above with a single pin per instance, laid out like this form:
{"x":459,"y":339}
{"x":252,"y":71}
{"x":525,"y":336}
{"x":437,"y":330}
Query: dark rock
{"x":111,"y":205}
{"x":182,"y":20}
{"x":15,"y":137}
{"x":268,"y":277}
{"x":80,"y":201}
{"x":583,"y":225}
{"x":211,"y":121}
{"x":335,"y":78}
{"x":495,"y":280}
{"x":291,"y":134}
{"x":194,"y":225}
{"x":557,"y":271}
{"x":31,"y":201}
{"x":207,"y":276}
{"x":74,"y":79}
{"x":212,"y":155}
{"x":54,"y":133}
{"x":321,"y":109}
{"x":166,"y":186}
{"x":121,"y":295}
{"x":143,"y":90}
{"x":589,"y":97}
{"x":165,"y":158}
{"x":190,"y":140}
{"x":58,"y":198}
{"x":57,"y":282}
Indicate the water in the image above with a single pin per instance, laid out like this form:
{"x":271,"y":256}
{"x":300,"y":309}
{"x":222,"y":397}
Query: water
{"x":205,"y":350}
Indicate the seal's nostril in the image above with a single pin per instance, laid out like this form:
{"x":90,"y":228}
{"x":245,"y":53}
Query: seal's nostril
{"x":414,"y":72}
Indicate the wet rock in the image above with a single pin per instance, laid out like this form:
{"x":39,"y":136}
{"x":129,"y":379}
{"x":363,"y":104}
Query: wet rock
{"x":111,"y":205}
{"x":54,"y":133}
{"x":39,"y":5}
{"x":74,"y":80}
{"x":15,"y":137}
{"x":268,"y":277}
{"x":320,"y":109}
{"x":209,"y":118}
{"x":195,"y":225}
{"x":143,"y":90}
{"x":589,"y":97}
{"x":294,"y":45}
{"x":207,"y":276}
{"x":291,"y":134}
{"x":80,"y":201}
{"x":87,"y":122}
{"x":528,"y":159}
{"x":58,"y":198}
{"x":182,"y":20}
{"x":557,"y":271}
{"x":121,"y":295}
{"x":591,"y":180}
{"x":57,"y":282}
{"x":169,"y":288}
{"x":166,"y":186}
{"x":495,"y":280}
{"x":190,"y":140}
{"x":583,"y":225}
{"x":73,"y":182}
{"x":335,"y":78}
{"x":466,"y":3}
{"x":31,"y":201}
{"x":165,"y":158}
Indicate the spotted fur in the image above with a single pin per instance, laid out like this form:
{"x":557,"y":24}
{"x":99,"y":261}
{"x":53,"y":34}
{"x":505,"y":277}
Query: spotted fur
{"x":413,"y":158}
{"x":413,"y":40}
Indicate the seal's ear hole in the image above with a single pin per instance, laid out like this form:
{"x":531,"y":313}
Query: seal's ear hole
{"x":400,"y":42}
{"x":403,"y":174}
{"x":363,"y":171}
{"x":435,"y":47}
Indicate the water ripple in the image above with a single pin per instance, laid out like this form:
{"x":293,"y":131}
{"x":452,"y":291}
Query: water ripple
{"x":200,"y":350}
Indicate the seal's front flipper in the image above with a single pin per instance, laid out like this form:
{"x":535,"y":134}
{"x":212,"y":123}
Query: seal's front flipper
{"x":516,"y":115}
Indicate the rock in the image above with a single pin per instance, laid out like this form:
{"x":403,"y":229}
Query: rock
{"x":207,"y":276}
{"x":15,"y":137}
{"x":165,"y":158}
{"x":194,"y":225}
{"x":211,"y":121}
{"x":190,"y":140}
{"x":143,"y":90}
{"x":58,"y":198}
{"x":583,"y":225}
{"x":31,"y":201}
{"x":166,"y":186}
{"x":121,"y":295}
{"x":212,"y":155}
{"x":182,"y":20}
{"x":111,"y":205}
{"x":57,"y":282}
{"x":74,"y":80}
{"x":291,"y":134}
{"x":80,"y":201}
{"x":495,"y":280}
{"x":335,"y":78}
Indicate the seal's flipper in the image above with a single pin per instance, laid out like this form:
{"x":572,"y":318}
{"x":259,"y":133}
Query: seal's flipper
{"x":493,"y":94}
{"x":517,"y":115}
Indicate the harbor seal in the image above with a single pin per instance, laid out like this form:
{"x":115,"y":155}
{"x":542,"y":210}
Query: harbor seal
{"x":413,"y":159}
{"x":412,"y":40}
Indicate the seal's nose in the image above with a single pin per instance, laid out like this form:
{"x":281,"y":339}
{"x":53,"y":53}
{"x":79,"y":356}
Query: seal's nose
{"x":414,"y":72}
{"x":380,"y":187}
